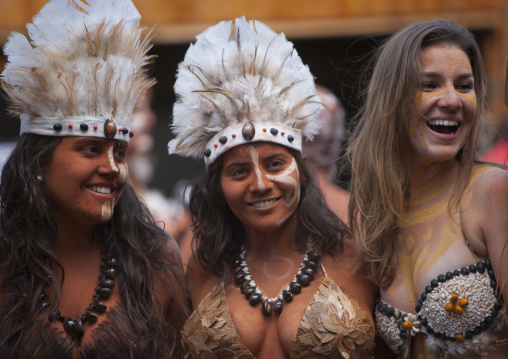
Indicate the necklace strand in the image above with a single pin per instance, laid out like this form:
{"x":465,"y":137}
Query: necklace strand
{"x":248,"y":286}
{"x":105,"y":285}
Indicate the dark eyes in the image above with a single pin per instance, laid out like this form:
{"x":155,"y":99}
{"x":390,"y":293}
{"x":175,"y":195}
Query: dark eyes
{"x":429,"y":85}
{"x":239,"y":172}
{"x":462,"y":86}
{"x":91,"y":150}
{"x":272,"y":166}
{"x":120,"y":153}
{"x":275,"y":164}
{"x":466,"y":86}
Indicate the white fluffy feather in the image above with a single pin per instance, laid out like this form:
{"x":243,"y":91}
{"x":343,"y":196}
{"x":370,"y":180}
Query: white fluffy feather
{"x":240,"y":71}
{"x":82,"y":59}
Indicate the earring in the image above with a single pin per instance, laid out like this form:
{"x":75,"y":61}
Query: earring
{"x":39,"y":178}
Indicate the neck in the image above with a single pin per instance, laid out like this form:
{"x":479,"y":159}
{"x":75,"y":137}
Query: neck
{"x":277,"y":240}
{"x":437,"y":172}
{"x":72,"y":239}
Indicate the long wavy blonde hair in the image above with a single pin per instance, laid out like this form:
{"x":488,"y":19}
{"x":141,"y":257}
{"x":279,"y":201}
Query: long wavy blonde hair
{"x":379,"y":182}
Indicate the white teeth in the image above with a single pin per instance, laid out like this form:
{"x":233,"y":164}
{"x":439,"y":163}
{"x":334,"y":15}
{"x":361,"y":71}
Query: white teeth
{"x":265,"y":203}
{"x":105,"y":190}
{"x":443,"y":123}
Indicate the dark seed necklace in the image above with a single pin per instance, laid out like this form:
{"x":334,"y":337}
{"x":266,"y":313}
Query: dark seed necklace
{"x":248,"y":286}
{"x":105,"y":285}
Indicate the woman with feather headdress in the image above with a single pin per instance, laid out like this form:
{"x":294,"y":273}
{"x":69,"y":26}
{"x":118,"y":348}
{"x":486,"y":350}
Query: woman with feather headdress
{"x":84,"y":271}
{"x":271,"y":275}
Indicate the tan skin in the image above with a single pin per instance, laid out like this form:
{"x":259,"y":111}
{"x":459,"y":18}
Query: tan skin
{"x":78,"y":165}
{"x":433,"y":241}
{"x":268,"y":239}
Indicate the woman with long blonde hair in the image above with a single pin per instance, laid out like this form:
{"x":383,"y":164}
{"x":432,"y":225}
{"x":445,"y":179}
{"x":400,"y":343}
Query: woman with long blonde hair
{"x":430,"y":219}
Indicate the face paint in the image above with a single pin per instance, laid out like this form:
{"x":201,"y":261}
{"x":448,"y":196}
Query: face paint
{"x":290,"y":197}
{"x":112,"y":159}
{"x":124,"y":171}
{"x":285,"y":177}
{"x":107,"y":211}
{"x":445,"y":106}
{"x":269,"y":167}
{"x":255,"y":160}
{"x":275,"y":258}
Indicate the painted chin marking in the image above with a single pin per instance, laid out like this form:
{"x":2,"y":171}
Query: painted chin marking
{"x":107,"y":211}
{"x":254,"y":154}
{"x":285,"y":218}
{"x":122,"y":176}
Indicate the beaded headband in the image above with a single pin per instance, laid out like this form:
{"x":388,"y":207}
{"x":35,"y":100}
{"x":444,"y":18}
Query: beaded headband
{"x":239,"y":83}
{"x":80,"y":72}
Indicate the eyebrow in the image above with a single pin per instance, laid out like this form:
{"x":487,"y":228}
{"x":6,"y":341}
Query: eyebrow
{"x":88,"y":140}
{"x":236,"y":164}
{"x":269,"y":157}
{"x":438,"y":75}
{"x":99,"y":142}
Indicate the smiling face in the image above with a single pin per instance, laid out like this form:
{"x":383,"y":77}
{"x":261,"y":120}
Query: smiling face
{"x":85,"y":179}
{"x":261,"y":185}
{"x":446,"y":105}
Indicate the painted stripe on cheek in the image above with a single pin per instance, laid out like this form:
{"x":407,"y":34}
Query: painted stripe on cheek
{"x":122,"y":177}
{"x":285,"y":177}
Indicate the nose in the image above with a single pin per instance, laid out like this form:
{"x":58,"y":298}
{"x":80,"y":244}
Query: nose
{"x":260,"y":183}
{"x":107,"y":164}
{"x":450,"y":99}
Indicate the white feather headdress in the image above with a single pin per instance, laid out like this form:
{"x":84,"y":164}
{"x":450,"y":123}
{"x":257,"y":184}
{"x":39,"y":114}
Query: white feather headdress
{"x":81,"y":73}
{"x":241,"y":82}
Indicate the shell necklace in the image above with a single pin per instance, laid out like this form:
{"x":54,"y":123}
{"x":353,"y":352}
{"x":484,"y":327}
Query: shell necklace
{"x":105,"y":285}
{"x":248,"y":286}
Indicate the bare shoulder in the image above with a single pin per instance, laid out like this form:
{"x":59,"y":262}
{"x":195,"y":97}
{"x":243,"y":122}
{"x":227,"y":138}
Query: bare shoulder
{"x":488,"y":182}
{"x":200,"y":280}
{"x":348,"y":271}
{"x":171,"y":251}
{"x":488,"y":211}
{"x":485,"y":204}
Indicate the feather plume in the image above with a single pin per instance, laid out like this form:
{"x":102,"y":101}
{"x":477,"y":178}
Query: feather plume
{"x":82,"y":59}
{"x":240,"y":71}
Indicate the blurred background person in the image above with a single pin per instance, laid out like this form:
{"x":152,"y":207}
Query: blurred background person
{"x":324,"y":151}
{"x":498,"y":152}
{"x":168,"y":212}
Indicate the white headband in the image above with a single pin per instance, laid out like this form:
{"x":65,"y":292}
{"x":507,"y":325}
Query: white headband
{"x":76,"y":126}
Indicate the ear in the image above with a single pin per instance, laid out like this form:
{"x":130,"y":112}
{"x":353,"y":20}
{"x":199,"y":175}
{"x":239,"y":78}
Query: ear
{"x":304,"y":157}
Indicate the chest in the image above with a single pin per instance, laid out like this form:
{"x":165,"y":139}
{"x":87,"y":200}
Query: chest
{"x":264,"y":335}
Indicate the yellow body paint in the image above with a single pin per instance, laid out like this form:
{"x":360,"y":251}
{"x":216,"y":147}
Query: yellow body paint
{"x":414,"y":260}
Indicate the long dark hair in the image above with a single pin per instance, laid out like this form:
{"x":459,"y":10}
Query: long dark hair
{"x":219,"y":233}
{"x":28,"y":267}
